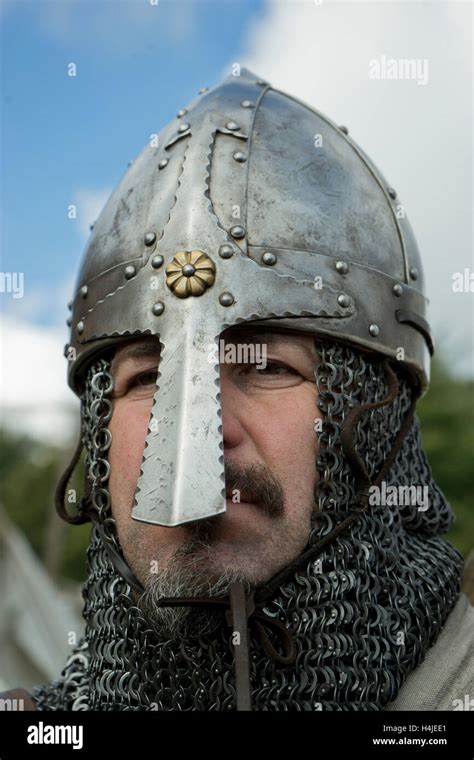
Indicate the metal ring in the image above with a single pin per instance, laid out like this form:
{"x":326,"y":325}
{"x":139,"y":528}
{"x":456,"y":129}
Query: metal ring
{"x":95,"y":473}
{"x":101,"y":416}
{"x":102,"y":446}
{"x":98,"y":388}
{"x":101,"y":499}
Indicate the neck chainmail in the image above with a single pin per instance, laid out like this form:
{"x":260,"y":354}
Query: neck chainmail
{"x":362,"y":615}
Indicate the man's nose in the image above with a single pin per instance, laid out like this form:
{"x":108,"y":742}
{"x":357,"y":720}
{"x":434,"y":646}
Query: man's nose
{"x":232,"y":409}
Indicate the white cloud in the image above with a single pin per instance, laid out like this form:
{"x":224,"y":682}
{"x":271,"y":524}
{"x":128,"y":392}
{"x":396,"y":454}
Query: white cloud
{"x":419,"y":136}
{"x":35,"y":397}
{"x":40,"y":303}
{"x":89,"y":203}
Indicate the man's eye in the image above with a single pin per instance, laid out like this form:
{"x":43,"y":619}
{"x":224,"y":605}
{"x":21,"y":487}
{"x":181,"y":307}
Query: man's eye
{"x":271,"y":369}
{"x":144,"y":379}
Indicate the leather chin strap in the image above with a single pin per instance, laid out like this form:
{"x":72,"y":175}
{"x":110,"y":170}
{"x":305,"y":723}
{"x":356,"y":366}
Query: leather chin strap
{"x":118,"y":561}
{"x":83,"y":515}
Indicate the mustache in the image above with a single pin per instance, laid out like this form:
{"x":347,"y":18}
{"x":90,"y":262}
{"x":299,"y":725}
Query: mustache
{"x":256,"y":483}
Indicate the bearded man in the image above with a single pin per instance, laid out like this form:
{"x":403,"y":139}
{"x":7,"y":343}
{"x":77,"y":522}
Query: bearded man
{"x":248,"y":340}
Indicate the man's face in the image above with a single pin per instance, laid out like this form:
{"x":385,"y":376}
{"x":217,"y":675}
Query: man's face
{"x":268,"y":418}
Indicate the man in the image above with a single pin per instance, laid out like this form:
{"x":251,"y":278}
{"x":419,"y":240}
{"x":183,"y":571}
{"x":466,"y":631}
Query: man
{"x":249,"y":339}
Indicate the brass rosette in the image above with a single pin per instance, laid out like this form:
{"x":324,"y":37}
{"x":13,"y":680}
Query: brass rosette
{"x":190,"y":273}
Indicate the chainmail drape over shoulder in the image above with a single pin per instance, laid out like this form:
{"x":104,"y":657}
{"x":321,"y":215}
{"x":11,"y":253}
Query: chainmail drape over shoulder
{"x":362,"y":614}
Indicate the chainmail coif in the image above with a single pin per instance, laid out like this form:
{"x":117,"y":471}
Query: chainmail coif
{"x":362,"y":614}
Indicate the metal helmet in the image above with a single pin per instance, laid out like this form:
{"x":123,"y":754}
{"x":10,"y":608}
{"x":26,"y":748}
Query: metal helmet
{"x":250,"y":206}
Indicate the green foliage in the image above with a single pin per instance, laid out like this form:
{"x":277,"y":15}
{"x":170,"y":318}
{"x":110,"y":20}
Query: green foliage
{"x":30,"y":470}
{"x":27,"y":472}
{"x":447,"y":423}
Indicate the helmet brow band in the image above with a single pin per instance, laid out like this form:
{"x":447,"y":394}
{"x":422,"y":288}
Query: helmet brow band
{"x":406,"y":317}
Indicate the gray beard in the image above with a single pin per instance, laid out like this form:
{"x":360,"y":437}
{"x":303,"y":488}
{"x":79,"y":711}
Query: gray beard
{"x":182,"y":577}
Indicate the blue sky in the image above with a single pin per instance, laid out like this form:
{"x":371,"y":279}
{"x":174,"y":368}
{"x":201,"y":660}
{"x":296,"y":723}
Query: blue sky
{"x":65,"y":138}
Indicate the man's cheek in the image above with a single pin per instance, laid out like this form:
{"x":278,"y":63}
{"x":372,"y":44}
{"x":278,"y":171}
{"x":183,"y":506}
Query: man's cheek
{"x":126,"y":453}
{"x":132,"y":448}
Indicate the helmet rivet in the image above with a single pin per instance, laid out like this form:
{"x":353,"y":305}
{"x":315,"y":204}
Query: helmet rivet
{"x":344,"y":129}
{"x":232,"y":125}
{"x":183,"y":127}
{"x":238,"y":231}
{"x":342,"y":267}
{"x":392,"y":193}
{"x":182,"y":112}
{"x":80,"y":327}
{"x":150,"y":238}
{"x":84,"y":291}
{"x":240,"y":157}
{"x":343,"y":300}
{"x":158,"y":308}
{"x":188,"y":270}
{"x":269,"y":258}
{"x":164,"y":162}
{"x":69,"y":321}
{"x":69,"y":305}
{"x":91,"y":226}
{"x":226,"y":299}
{"x":203,"y":90}
{"x":226,"y":251}
{"x":414,"y":273}
{"x":247,"y":104}
{"x":374,"y":330}
{"x":397,"y":289}
{"x":130,"y":272}
{"x":157,"y":261}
